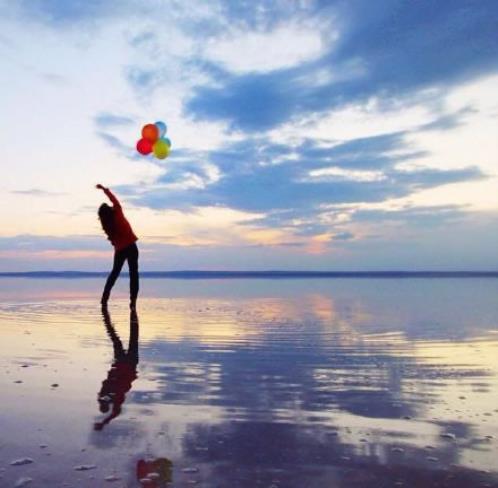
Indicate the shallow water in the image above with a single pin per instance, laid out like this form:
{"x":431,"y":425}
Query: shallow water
{"x":248,"y":383}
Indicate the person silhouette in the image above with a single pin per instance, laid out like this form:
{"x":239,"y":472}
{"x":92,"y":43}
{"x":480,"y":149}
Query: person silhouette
{"x":122,"y":237}
{"x":123,"y":370}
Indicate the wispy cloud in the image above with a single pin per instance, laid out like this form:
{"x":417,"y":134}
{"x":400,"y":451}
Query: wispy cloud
{"x":37,"y":192}
{"x":55,"y":254}
{"x":108,"y":120}
{"x":250,"y":179}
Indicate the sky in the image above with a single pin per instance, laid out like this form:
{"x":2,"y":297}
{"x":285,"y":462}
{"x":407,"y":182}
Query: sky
{"x":321,"y":135}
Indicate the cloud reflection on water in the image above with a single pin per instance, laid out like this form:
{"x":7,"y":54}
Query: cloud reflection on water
{"x":335,"y":384}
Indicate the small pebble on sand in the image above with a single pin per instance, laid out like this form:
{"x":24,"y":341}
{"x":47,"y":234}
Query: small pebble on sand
{"x":23,"y":482}
{"x":448,"y":435}
{"x":21,"y":461}
{"x":112,"y":477}
{"x":85,"y":467}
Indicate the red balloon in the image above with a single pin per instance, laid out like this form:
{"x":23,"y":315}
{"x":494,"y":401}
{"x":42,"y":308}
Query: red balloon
{"x":144,"y":146}
{"x":150,"y":132}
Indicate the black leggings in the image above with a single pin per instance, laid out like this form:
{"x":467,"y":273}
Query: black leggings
{"x":129,"y":253}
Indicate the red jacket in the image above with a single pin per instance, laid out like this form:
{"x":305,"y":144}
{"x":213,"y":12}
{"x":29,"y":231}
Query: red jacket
{"x":123,"y":234}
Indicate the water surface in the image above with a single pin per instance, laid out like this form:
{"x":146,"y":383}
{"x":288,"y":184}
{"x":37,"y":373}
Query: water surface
{"x":248,"y":383}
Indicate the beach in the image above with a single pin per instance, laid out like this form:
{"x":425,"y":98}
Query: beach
{"x":249,"y":383}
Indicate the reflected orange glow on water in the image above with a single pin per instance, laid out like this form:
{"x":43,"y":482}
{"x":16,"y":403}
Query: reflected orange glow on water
{"x":305,"y":381}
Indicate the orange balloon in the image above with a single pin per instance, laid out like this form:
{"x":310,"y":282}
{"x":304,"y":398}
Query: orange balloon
{"x":150,"y":132}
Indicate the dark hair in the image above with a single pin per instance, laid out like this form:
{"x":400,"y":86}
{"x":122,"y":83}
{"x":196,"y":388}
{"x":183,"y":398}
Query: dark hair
{"x":106,"y":216}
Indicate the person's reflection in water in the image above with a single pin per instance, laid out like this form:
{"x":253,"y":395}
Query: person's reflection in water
{"x":155,"y":473}
{"x":123,"y":370}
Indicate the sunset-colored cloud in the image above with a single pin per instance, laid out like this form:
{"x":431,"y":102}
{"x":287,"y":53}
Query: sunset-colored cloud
{"x":299,"y":134}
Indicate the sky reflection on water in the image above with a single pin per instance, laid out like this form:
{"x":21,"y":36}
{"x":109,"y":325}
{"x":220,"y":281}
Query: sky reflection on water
{"x":253,"y":383}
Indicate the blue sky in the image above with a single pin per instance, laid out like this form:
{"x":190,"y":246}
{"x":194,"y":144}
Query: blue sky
{"x":306,"y":134}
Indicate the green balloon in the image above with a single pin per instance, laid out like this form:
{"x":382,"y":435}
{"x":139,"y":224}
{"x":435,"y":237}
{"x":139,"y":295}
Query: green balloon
{"x":160,"y":149}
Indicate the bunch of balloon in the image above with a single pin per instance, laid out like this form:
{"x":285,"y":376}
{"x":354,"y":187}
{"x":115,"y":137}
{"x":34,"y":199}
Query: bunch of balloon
{"x":154,"y":141}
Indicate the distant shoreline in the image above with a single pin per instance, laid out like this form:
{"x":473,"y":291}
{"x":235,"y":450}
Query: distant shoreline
{"x":188,"y":274}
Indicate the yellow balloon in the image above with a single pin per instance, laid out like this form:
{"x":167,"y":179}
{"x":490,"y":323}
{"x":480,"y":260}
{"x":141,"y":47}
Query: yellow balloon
{"x":160,"y":149}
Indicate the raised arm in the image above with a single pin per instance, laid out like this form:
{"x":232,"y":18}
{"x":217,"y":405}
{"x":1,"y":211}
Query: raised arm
{"x":112,"y":197}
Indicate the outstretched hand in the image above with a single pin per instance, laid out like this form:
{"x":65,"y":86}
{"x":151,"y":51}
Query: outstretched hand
{"x":99,"y":187}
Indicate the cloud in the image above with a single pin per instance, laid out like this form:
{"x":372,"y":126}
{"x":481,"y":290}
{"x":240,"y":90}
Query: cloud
{"x":113,"y":141}
{"x":249,"y":179}
{"x":263,"y":51}
{"x":189,"y":171}
{"x":31,"y":242}
{"x":449,"y":121}
{"x":108,"y":120}
{"x":143,"y":79}
{"x":57,"y":254}
{"x":402,"y":49}
{"x":311,"y":191}
{"x":124,"y":150}
{"x":336,"y":174}
{"x":37,"y":192}
{"x":429,"y":178}
{"x":306,"y":120}
{"x":54,"y":79}
{"x":390,"y":246}
{"x":433,"y":214}
{"x":343,"y":236}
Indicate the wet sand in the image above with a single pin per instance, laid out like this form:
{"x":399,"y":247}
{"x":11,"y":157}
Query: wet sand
{"x":250,"y":383}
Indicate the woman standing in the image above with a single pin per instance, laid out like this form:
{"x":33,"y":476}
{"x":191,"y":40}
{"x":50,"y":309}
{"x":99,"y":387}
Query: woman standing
{"x":122,"y":237}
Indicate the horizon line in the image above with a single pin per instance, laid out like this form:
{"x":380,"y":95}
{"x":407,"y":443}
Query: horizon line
{"x":213,"y":274}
